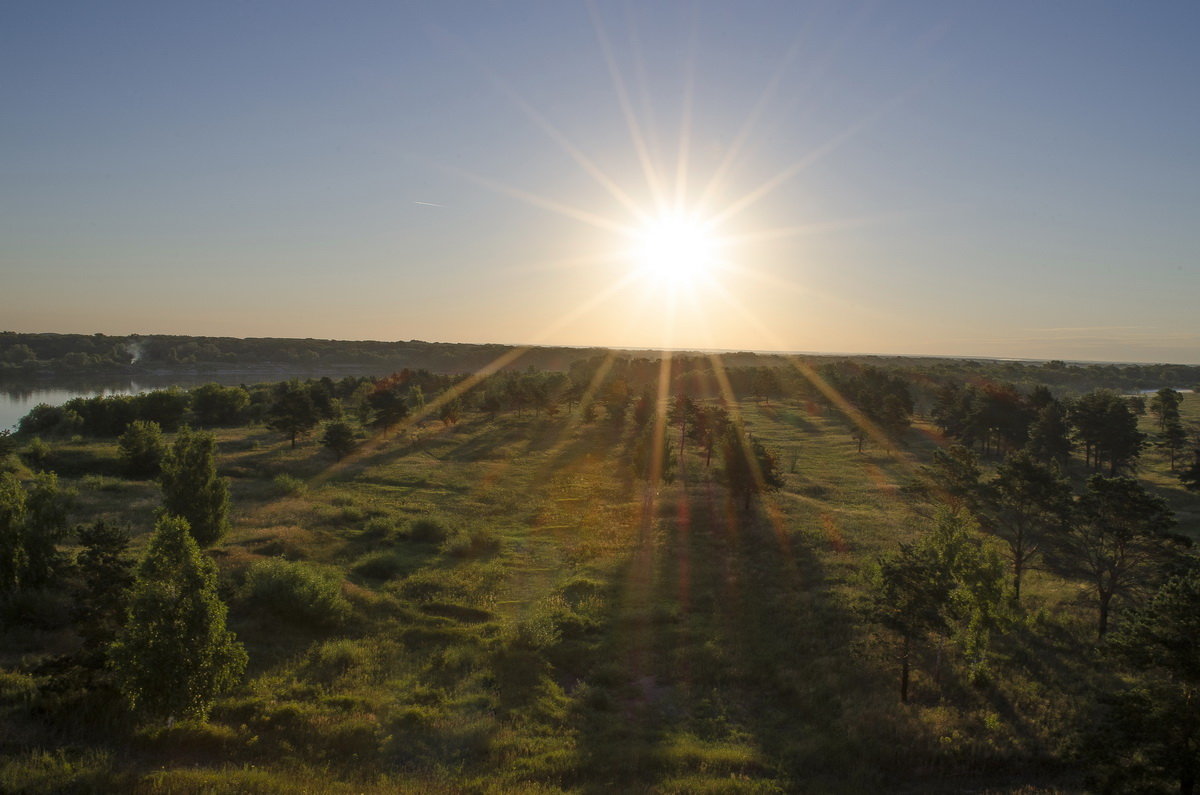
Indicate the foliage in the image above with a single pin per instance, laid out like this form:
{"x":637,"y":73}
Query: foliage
{"x":296,"y":591}
{"x":427,"y":530}
{"x":1152,"y":729}
{"x":174,"y":655}
{"x":946,"y":583}
{"x":215,"y":404}
{"x":388,"y":404}
{"x":1050,"y":436}
{"x":1026,"y":504}
{"x":749,"y":467}
{"x":653,"y":461}
{"x":1107,"y":426}
{"x":339,"y":438}
{"x":1119,"y":538}
{"x":952,"y":478}
{"x":33,"y":520}
{"x":293,"y":411}
{"x":142,"y":449}
{"x":107,"y":575}
{"x":191,"y":488}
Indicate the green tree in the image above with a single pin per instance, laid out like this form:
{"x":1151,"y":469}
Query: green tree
{"x":339,"y":438}
{"x":33,"y":520}
{"x":908,"y":591}
{"x":750,"y":468}
{"x":1025,"y":504}
{"x":174,"y":655}
{"x":107,"y":574}
{"x":653,"y":462}
{"x":191,"y":488}
{"x":1119,"y":538}
{"x":219,"y":405}
{"x":1165,"y":406}
{"x":945,"y":583}
{"x":46,"y":510}
{"x":952,"y":479}
{"x":388,"y":408}
{"x":1153,"y":726}
{"x":293,"y":411}
{"x":1050,"y":436}
{"x":1174,"y":438}
{"x":142,"y":448}
{"x":167,"y":407}
{"x":12,"y":532}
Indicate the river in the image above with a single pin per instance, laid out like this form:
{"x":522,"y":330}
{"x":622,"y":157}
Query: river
{"x":17,"y":398}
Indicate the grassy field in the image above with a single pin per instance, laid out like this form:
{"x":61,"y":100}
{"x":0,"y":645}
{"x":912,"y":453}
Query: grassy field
{"x":501,"y":605}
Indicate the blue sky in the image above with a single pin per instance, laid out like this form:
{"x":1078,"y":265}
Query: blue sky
{"x":1002,"y":179}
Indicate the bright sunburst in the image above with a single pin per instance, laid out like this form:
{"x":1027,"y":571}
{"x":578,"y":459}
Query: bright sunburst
{"x":675,"y":250}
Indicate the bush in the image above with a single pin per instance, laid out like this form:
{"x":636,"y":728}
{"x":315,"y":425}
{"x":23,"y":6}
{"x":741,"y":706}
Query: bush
{"x":287,"y":485}
{"x":473,"y":544}
{"x":381,"y":566}
{"x":427,"y":531}
{"x":294,"y":590}
{"x":379,"y":527}
{"x":37,"y":455}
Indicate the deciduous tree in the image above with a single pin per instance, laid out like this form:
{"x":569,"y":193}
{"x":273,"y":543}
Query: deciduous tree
{"x":175,"y":655}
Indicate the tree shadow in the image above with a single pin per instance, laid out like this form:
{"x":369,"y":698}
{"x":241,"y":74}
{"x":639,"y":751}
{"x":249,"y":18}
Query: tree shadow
{"x":727,"y":655}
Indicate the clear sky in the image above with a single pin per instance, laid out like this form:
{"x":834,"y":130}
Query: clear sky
{"x":973,"y":178}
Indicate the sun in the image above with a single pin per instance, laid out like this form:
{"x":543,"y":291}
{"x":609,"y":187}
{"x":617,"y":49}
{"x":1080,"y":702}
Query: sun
{"x":675,"y":249}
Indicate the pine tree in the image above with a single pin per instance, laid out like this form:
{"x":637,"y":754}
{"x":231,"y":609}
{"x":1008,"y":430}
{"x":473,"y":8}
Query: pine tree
{"x":191,"y":487}
{"x":293,"y":411}
{"x":174,"y":655}
{"x":339,"y":438}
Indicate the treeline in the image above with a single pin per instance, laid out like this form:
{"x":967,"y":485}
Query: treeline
{"x":993,"y":418}
{"x":996,"y":419}
{"x":25,"y":355}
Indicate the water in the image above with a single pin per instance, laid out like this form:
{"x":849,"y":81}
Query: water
{"x":17,"y":398}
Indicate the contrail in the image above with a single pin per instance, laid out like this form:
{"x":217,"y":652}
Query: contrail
{"x":430,"y":204}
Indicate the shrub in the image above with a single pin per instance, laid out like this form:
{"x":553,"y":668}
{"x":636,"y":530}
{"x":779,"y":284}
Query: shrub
{"x":381,"y":566}
{"x":37,"y":455}
{"x":473,"y":544}
{"x":290,"y":486}
{"x":296,"y":591}
{"x":427,"y":531}
{"x":379,"y":527}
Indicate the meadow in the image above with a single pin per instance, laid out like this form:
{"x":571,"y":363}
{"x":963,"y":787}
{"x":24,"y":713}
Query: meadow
{"x":502,"y":604}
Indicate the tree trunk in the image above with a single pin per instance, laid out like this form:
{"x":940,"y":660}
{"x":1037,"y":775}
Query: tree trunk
{"x":1017,"y":570}
{"x":293,"y":440}
{"x":904,"y":672}
{"x":1105,"y":599}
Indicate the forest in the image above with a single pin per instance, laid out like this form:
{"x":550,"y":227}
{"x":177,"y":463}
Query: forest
{"x":602,"y":572}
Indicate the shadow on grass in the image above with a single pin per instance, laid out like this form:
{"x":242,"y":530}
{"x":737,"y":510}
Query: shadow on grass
{"x":726,"y":656}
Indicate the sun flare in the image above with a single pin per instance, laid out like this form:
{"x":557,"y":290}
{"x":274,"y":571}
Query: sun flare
{"x":675,"y":249}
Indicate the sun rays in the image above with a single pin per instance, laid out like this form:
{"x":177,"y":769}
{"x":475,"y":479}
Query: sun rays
{"x":681,"y":241}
